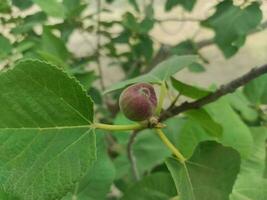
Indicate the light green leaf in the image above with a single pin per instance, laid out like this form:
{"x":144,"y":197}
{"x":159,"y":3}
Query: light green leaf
{"x":196,"y":68}
{"x":189,"y":90}
{"x":250,"y":183}
{"x":240,"y":103}
{"x":96,"y":183}
{"x":209,"y":174}
{"x":256,"y":90}
{"x":53,"y":8}
{"x":162,"y":71}
{"x":235,"y":132}
{"x":45,"y":137}
{"x":158,"y":186}
{"x":231,"y":25}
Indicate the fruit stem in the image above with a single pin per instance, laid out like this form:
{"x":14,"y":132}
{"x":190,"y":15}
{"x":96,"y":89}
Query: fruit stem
{"x":162,"y":95}
{"x":170,"y":146}
{"x":110,"y":127}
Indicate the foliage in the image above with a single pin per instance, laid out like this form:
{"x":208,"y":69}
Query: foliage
{"x":52,"y":144}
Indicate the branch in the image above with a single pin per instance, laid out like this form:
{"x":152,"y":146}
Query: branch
{"x":98,"y":43}
{"x":223,"y":90}
{"x":164,"y":51}
{"x":131,"y":156}
{"x":172,"y":19}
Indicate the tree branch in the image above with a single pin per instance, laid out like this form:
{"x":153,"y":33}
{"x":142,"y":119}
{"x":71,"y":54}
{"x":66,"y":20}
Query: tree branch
{"x":131,"y":156}
{"x":98,"y":43}
{"x":223,"y":90}
{"x":164,"y":51}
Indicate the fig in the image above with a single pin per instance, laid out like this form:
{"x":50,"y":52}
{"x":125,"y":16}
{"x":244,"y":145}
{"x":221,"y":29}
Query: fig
{"x":138,"y":102}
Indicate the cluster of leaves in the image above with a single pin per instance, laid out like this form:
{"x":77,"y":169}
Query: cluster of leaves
{"x":49,"y":148}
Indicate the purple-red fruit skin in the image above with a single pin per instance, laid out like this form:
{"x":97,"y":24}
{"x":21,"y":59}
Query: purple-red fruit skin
{"x":138,"y":102}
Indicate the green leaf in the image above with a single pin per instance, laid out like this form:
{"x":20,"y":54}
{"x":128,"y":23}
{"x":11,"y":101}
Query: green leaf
{"x":134,"y":4}
{"x":161,"y":72}
{"x":231,"y":25}
{"x":242,"y":105}
{"x":158,"y":186}
{"x":189,"y":90}
{"x":5,"y":6}
{"x":5,"y":46}
{"x":130,"y":22}
{"x":205,"y":120}
{"x":256,"y":90}
{"x":209,"y":174}
{"x":54,"y":45}
{"x":186,"y":47}
{"x":22,"y":4}
{"x":235,"y":132}
{"x":250,"y":183}
{"x":46,"y":141}
{"x":96,"y":183}
{"x":29,"y":23}
{"x":196,"y":67}
{"x":145,"y":48}
{"x":187,"y":4}
{"x":53,"y":8}
{"x":86,"y":78}
{"x":73,"y":8}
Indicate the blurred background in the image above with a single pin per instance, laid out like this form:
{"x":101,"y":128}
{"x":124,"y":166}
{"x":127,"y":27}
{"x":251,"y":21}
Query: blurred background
{"x":23,"y":28}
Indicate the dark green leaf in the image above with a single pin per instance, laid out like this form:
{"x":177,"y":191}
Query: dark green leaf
{"x":232,"y":23}
{"x":158,"y":186}
{"x":22,"y":4}
{"x":187,"y":4}
{"x":5,"y":46}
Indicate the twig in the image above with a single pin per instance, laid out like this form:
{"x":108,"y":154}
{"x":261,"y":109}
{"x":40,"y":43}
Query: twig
{"x":131,"y":156}
{"x":98,"y":43}
{"x":174,"y":101}
{"x":173,"y":19}
{"x":170,"y":146}
{"x":223,"y":90}
{"x":164,"y":51}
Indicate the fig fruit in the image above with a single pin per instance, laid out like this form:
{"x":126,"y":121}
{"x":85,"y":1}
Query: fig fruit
{"x":138,"y":102}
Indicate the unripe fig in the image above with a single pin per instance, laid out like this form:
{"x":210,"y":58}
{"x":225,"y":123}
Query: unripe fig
{"x":138,"y":102}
